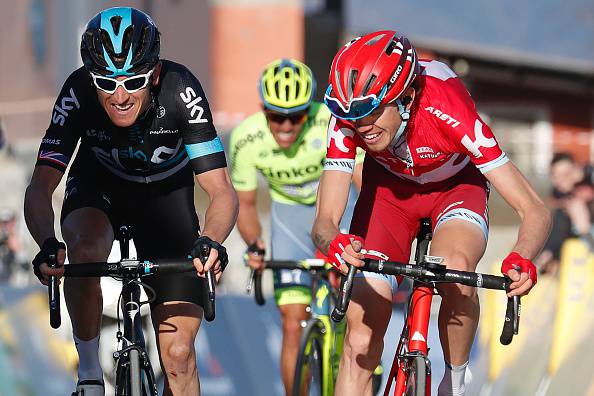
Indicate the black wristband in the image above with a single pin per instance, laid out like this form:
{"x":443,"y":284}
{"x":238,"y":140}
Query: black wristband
{"x":49,"y":247}
{"x":253,"y":248}
{"x":204,"y":241}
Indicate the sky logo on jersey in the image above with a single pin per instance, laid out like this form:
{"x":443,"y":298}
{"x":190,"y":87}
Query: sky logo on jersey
{"x":66,"y":104}
{"x":480,"y":140}
{"x":54,"y":157}
{"x":196,"y":111}
{"x":443,"y":116}
{"x":130,"y":153}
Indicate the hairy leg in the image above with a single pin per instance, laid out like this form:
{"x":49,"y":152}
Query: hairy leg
{"x":89,"y":236}
{"x":462,"y":244}
{"x":176,"y":325}
{"x":367,"y":320}
{"x":292,"y":315}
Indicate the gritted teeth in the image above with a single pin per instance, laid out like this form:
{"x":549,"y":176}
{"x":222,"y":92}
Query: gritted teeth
{"x":123,"y":107}
{"x":371,"y":136}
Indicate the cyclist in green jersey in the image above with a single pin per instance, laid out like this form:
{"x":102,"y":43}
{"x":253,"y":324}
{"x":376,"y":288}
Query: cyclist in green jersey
{"x":286,"y":143}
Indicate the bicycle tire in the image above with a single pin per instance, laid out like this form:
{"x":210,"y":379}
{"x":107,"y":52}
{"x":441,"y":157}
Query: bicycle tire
{"x":309,"y":375}
{"x":123,"y":376}
{"x":416,"y":376}
{"x":135,"y":377}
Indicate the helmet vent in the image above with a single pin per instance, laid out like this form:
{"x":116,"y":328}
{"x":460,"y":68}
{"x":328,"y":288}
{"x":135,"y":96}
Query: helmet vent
{"x":375,"y":39}
{"x":139,"y":52}
{"x":115,"y":23}
{"x":391,"y":46}
{"x":338,"y":88}
{"x":106,"y":41}
{"x":368,"y":84}
{"x":352,"y":82}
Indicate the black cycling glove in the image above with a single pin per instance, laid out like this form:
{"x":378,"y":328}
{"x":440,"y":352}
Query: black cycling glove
{"x":49,"y":247}
{"x":253,"y":248}
{"x":204,"y":244}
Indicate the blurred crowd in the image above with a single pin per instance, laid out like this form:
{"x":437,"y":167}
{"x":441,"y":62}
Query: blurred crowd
{"x":14,"y":266}
{"x":572,"y":203}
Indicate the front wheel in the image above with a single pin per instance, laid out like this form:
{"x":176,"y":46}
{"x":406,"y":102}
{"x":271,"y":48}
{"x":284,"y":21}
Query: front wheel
{"x":416,"y":373}
{"x":309,"y":371}
{"x":134,"y":375}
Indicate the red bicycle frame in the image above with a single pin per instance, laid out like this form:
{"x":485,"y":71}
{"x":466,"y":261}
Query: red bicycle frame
{"x":413,"y":340}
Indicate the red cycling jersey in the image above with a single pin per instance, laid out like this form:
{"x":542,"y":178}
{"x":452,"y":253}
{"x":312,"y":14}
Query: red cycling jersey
{"x":443,"y":135}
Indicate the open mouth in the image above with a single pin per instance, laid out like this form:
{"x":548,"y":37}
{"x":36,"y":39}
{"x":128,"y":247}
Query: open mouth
{"x":371,"y":137}
{"x":285,"y":136}
{"x":122,"y":108}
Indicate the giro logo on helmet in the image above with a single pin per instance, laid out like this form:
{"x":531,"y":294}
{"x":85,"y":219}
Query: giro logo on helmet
{"x":396,"y":74}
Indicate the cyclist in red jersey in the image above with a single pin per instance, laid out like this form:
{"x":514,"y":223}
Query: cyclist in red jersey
{"x":429,"y":154}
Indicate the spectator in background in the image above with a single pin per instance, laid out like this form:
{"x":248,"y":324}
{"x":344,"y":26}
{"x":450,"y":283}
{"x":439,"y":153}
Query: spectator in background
{"x":2,"y":138}
{"x":12,"y":256}
{"x":571,"y":201}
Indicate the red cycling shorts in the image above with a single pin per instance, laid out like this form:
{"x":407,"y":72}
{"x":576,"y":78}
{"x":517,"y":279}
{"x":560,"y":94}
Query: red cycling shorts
{"x":389,"y":209}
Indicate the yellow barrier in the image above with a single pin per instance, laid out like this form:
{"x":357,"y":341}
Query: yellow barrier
{"x":537,"y":309}
{"x":574,"y":315}
{"x":34,"y":308}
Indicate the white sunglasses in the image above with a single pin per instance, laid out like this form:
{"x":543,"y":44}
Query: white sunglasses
{"x":130,"y":84}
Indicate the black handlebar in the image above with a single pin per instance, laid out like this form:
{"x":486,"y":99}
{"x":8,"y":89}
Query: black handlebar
{"x":53,"y":291}
{"x":430,"y":272}
{"x":256,"y":276}
{"x":209,"y":290}
{"x":511,"y":325}
{"x":258,"y":294}
{"x":126,"y":267}
{"x":344,"y":295}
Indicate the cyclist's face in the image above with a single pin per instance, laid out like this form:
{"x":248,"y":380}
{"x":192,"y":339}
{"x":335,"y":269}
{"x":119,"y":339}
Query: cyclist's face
{"x":122,"y":107}
{"x":285,"y":129}
{"x":378,"y":128}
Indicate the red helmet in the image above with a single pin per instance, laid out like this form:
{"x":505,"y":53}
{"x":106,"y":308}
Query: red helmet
{"x":368,"y":71}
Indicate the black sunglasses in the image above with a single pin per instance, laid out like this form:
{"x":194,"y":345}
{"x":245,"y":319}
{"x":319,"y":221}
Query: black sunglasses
{"x":280,"y":118}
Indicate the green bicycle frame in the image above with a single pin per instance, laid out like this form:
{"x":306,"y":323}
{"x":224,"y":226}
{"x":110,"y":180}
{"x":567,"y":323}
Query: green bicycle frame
{"x":333,"y":334}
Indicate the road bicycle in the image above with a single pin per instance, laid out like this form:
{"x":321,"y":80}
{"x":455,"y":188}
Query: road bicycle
{"x":134,"y":374}
{"x":410,"y":374}
{"x":322,"y":339}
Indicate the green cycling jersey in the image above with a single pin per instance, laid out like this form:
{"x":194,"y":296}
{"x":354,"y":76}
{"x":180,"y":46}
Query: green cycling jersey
{"x":292,"y":174}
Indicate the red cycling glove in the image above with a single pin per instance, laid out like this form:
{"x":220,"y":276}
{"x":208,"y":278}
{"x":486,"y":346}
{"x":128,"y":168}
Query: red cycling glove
{"x":519,"y":263}
{"x":337,"y":247}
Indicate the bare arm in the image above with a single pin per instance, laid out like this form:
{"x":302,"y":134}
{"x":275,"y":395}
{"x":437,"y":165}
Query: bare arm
{"x":535,"y":217}
{"x":39,"y":213}
{"x":248,"y":222}
{"x":221,"y":213}
{"x":333,"y":194}
{"x":358,"y":176}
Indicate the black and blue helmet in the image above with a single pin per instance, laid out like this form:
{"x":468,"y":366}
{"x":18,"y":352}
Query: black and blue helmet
{"x":120,"y":41}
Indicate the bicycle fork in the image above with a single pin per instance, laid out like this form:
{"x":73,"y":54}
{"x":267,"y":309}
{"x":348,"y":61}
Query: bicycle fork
{"x":413,"y":340}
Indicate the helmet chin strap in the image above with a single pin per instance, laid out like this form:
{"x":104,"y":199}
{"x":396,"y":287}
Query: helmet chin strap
{"x":405,"y":116}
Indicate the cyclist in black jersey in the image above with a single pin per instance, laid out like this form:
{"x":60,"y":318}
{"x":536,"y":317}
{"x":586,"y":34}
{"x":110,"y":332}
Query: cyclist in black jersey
{"x":145,"y":129}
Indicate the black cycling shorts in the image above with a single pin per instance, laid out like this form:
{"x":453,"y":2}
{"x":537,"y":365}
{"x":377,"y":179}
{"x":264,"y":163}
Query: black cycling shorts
{"x":163,"y":222}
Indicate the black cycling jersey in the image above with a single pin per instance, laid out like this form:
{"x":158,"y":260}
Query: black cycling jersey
{"x":175,"y":132}
{"x":142,"y":175}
